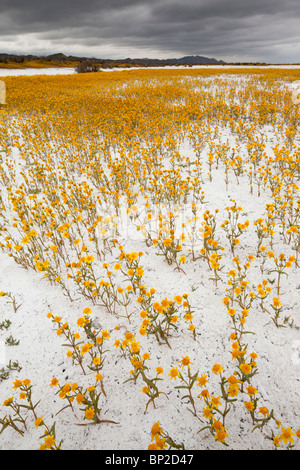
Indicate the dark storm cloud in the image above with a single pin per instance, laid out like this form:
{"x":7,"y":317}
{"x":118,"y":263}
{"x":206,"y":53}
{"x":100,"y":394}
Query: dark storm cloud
{"x":231,"y":30}
{"x":172,"y":9}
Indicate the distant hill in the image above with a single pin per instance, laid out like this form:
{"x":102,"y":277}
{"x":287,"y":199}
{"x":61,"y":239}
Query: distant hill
{"x":194,"y":60}
{"x":61,"y":60}
{"x":59,"y":57}
{"x":187,"y":60}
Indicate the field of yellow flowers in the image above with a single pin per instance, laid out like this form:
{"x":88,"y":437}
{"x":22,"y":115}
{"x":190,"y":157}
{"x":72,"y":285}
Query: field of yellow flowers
{"x":150,"y":260}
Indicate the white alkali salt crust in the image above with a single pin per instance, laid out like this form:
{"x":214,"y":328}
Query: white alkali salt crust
{"x":41,"y":355}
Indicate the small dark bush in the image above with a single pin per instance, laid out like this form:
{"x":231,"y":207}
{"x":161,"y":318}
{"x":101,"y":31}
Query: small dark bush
{"x":87,"y":65}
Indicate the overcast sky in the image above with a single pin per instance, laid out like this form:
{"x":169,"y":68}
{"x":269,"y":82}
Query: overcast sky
{"x":231,"y":30}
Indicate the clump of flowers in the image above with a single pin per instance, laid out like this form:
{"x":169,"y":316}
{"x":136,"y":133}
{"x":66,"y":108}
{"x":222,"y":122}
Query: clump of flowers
{"x":17,"y":420}
{"x":160,"y":439}
{"x":130,"y":348}
{"x":232,"y":227}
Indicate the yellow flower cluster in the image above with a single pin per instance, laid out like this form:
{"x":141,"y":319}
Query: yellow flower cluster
{"x":94,"y":167}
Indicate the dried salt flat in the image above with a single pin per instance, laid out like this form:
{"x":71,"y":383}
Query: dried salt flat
{"x":40,"y":349}
{"x":71,"y":70}
{"x":37,"y":71}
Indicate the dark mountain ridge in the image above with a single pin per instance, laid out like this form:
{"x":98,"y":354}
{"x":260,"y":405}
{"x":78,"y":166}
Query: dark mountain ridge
{"x":62,"y":59}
